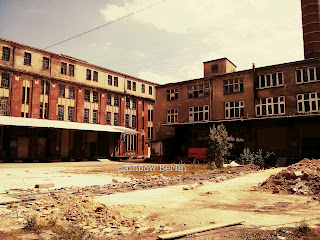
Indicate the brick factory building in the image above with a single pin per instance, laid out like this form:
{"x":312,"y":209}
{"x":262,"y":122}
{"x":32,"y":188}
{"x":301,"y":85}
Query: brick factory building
{"x":274,"y":108}
{"x":57,"y":107}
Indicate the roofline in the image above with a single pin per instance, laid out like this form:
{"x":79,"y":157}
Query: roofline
{"x":289,"y":63}
{"x":71,"y":82}
{"x":70,"y":58}
{"x":224,"y":58}
{"x":204,"y":78}
{"x":244,"y":119}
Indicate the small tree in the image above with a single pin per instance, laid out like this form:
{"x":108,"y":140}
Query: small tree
{"x":218,"y":145}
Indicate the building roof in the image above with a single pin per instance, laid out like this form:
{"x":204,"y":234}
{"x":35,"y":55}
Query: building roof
{"x":44,"y":123}
{"x":246,"y":119}
{"x":220,"y":59}
{"x":78,"y":61}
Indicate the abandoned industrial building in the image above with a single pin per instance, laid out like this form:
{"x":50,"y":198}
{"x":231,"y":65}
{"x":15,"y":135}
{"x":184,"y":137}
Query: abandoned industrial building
{"x":274,"y":108}
{"x":58,"y":107}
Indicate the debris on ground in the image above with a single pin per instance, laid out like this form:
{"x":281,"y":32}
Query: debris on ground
{"x":302,"y":178}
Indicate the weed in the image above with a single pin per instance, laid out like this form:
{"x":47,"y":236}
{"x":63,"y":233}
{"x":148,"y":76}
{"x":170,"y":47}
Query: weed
{"x":302,"y":227}
{"x":34,"y":224}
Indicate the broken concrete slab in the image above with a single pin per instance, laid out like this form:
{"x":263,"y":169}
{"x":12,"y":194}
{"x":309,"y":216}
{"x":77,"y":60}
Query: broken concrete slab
{"x":44,"y":185}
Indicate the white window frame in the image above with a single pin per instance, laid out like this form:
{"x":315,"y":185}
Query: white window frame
{"x":61,"y":112}
{"x":308,"y":70}
{"x":202,"y":90}
{"x":312,"y":99}
{"x":264,"y":77}
{"x":70,"y":113}
{"x":172,"y":94}
{"x":196,"y":110}
{"x":172,"y":115}
{"x":269,"y":105}
{"x":231,"y":107}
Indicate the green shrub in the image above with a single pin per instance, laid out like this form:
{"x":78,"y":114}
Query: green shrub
{"x":218,"y":145}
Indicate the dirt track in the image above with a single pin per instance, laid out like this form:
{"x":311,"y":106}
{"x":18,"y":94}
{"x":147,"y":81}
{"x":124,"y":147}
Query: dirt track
{"x":165,"y":209}
{"x":232,"y":200}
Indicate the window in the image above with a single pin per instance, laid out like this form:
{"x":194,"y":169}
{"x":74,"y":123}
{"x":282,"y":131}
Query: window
{"x":5,"y":53}
{"x":306,"y":75}
{"x":131,"y":142}
{"x":5,"y":79}
{"x":150,"y":90}
{"x":87,"y":95}
{"x":127,"y":102}
{"x":115,"y":81}
{"x":234,"y":109}
{"x":71,"y":113}
{"x":199,"y":113}
{"x":142,"y":105}
{"x":172,"y":94}
{"x":214,"y":68}
{"x":134,"y":103}
{"x":143,"y":88}
{"x":88,"y":74}
{"x":27,"y":58}
{"x":63,"y":68}
{"x":116,"y":101}
{"x":109,"y":99}
{"x":71,"y":92}
{"x":25,"y":92}
{"x":44,"y":87}
{"x":95,"y":95}
{"x":150,"y":115}
{"x":115,"y":119}
{"x":4,"y":106}
{"x":129,"y":85}
{"x":71,"y":70}
{"x":270,"y":106}
{"x":61,"y":90}
{"x":60,"y":112}
{"x":110,"y":80}
{"x":95,"y":116}
{"x":233,"y":86}
{"x":270,"y":80}
{"x":95,"y":76}
{"x":199,"y":90}
{"x":44,"y":111}
{"x":108,"y":121}
{"x":133,"y":121}
{"x":127,"y":120}
{"x":134,"y":86}
{"x":45,"y":63}
{"x":86,"y":115}
{"x":150,"y":133}
{"x":308,"y":102}
{"x":172,"y":115}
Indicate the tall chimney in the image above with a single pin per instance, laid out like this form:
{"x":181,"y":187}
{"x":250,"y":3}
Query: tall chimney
{"x":311,"y":28}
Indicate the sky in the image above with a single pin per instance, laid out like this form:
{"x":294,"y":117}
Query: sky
{"x":165,"y":43}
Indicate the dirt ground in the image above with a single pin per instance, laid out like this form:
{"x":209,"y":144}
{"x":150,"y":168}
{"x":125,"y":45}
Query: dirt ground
{"x":127,"y":207}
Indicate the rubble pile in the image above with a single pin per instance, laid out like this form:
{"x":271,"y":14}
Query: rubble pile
{"x":302,"y":178}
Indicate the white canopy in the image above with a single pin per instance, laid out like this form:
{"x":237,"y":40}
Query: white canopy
{"x":45,"y":123}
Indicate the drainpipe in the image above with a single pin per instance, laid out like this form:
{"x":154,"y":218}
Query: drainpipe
{"x":12,"y":79}
{"x":210,"y":102}
{"x":49,"y":95}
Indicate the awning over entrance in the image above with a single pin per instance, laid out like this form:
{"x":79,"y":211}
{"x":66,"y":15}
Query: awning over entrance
{"x":44,"y":123}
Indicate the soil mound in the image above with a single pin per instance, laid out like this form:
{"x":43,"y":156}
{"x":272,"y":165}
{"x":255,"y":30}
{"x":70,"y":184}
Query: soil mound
{"x":302,"y":178}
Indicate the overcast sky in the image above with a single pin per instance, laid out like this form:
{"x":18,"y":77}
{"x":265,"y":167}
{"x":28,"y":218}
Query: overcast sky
{"x":166,"y":43}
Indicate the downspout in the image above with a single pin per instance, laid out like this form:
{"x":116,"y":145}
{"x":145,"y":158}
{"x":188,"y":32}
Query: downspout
{"x":210,"y":101}
{"x":49,"y":96}
{"x":12,"y":79}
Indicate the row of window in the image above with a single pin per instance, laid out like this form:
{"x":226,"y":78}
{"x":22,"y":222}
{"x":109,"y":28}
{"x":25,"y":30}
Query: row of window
{"x":90,"y":75}
{"x":306,"y":103}
{"x":131,"y":85}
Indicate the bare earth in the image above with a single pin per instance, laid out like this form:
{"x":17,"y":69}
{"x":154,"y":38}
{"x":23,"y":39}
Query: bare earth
{"x":144,"y":214}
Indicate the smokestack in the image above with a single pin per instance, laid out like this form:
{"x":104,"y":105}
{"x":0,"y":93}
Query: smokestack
{"x":311,"y":28}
